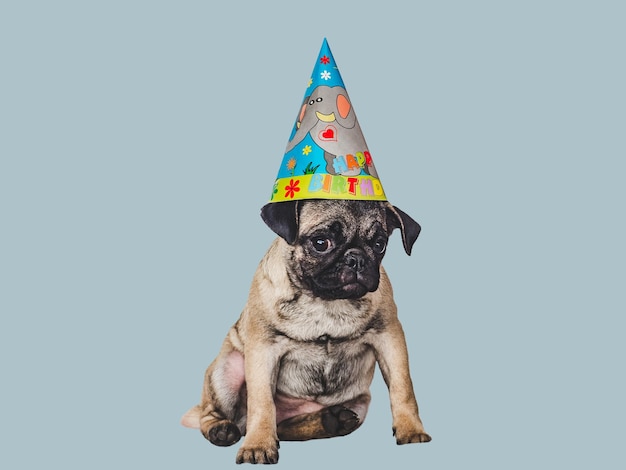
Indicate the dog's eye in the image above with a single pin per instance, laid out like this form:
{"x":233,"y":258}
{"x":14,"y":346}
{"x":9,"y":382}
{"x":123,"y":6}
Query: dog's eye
{"x":380,"y":245}
{"x":321,"y":244}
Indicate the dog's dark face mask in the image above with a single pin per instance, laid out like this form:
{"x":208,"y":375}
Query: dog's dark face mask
{"x":338,"y":245}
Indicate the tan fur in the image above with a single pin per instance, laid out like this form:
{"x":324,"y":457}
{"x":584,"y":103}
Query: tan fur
{"x":284,"y":331}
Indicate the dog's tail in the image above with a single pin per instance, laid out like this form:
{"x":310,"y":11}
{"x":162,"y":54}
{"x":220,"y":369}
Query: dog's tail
{"x":191,"y":419}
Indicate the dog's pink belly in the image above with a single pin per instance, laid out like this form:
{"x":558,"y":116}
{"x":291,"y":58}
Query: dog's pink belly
{"x":286,"y":407}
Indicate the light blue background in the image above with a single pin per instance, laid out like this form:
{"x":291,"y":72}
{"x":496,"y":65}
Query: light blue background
{"x":140,"y":139}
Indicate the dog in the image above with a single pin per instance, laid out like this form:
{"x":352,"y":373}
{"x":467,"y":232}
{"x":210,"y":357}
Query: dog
{"x":298,"y":363}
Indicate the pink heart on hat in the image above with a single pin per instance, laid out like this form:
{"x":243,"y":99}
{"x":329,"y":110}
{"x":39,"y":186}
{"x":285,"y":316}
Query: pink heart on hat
{"x":329,"y":133}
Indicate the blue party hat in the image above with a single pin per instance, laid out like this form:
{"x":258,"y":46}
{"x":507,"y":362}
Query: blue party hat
{"x":326,"y":156}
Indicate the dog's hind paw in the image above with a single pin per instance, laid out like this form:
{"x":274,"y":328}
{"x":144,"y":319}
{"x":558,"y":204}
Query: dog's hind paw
{"x":339,"y":420}
{"x":223,"y":434}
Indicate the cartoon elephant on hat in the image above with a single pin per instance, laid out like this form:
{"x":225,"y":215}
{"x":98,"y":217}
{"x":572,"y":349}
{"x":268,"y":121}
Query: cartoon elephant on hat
{"x":328,"y":116}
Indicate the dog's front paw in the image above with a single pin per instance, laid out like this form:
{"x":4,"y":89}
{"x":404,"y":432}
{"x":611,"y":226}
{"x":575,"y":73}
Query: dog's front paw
{"x":262,"y":452}
{"x":410,"y":436}
{"x":408,"y":428}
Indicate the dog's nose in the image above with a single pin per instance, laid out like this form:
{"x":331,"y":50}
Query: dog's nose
{"x":355,"y":260}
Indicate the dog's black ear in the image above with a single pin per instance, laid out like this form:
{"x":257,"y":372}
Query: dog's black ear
{"x":409,"y":228}
{"x":282,"y":218}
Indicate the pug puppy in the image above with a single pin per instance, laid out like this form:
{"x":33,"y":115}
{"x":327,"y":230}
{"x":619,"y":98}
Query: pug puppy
{"x":299,"y":362}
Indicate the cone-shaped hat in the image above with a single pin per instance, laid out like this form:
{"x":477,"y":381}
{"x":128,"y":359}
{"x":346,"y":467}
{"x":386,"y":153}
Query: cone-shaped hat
{"x":326,"y":156}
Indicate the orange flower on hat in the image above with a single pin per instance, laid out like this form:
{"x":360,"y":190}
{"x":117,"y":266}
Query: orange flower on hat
{"x":291,"y":166}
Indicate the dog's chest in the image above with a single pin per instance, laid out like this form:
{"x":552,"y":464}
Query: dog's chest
{"x":326,"y":350}
{"x":326,"y":366}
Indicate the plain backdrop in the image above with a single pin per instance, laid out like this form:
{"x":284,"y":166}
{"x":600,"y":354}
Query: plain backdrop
{"x":139,"y":139}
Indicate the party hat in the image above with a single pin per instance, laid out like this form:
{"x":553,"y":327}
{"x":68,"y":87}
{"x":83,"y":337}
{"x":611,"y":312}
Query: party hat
{"x":326,"y":156}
